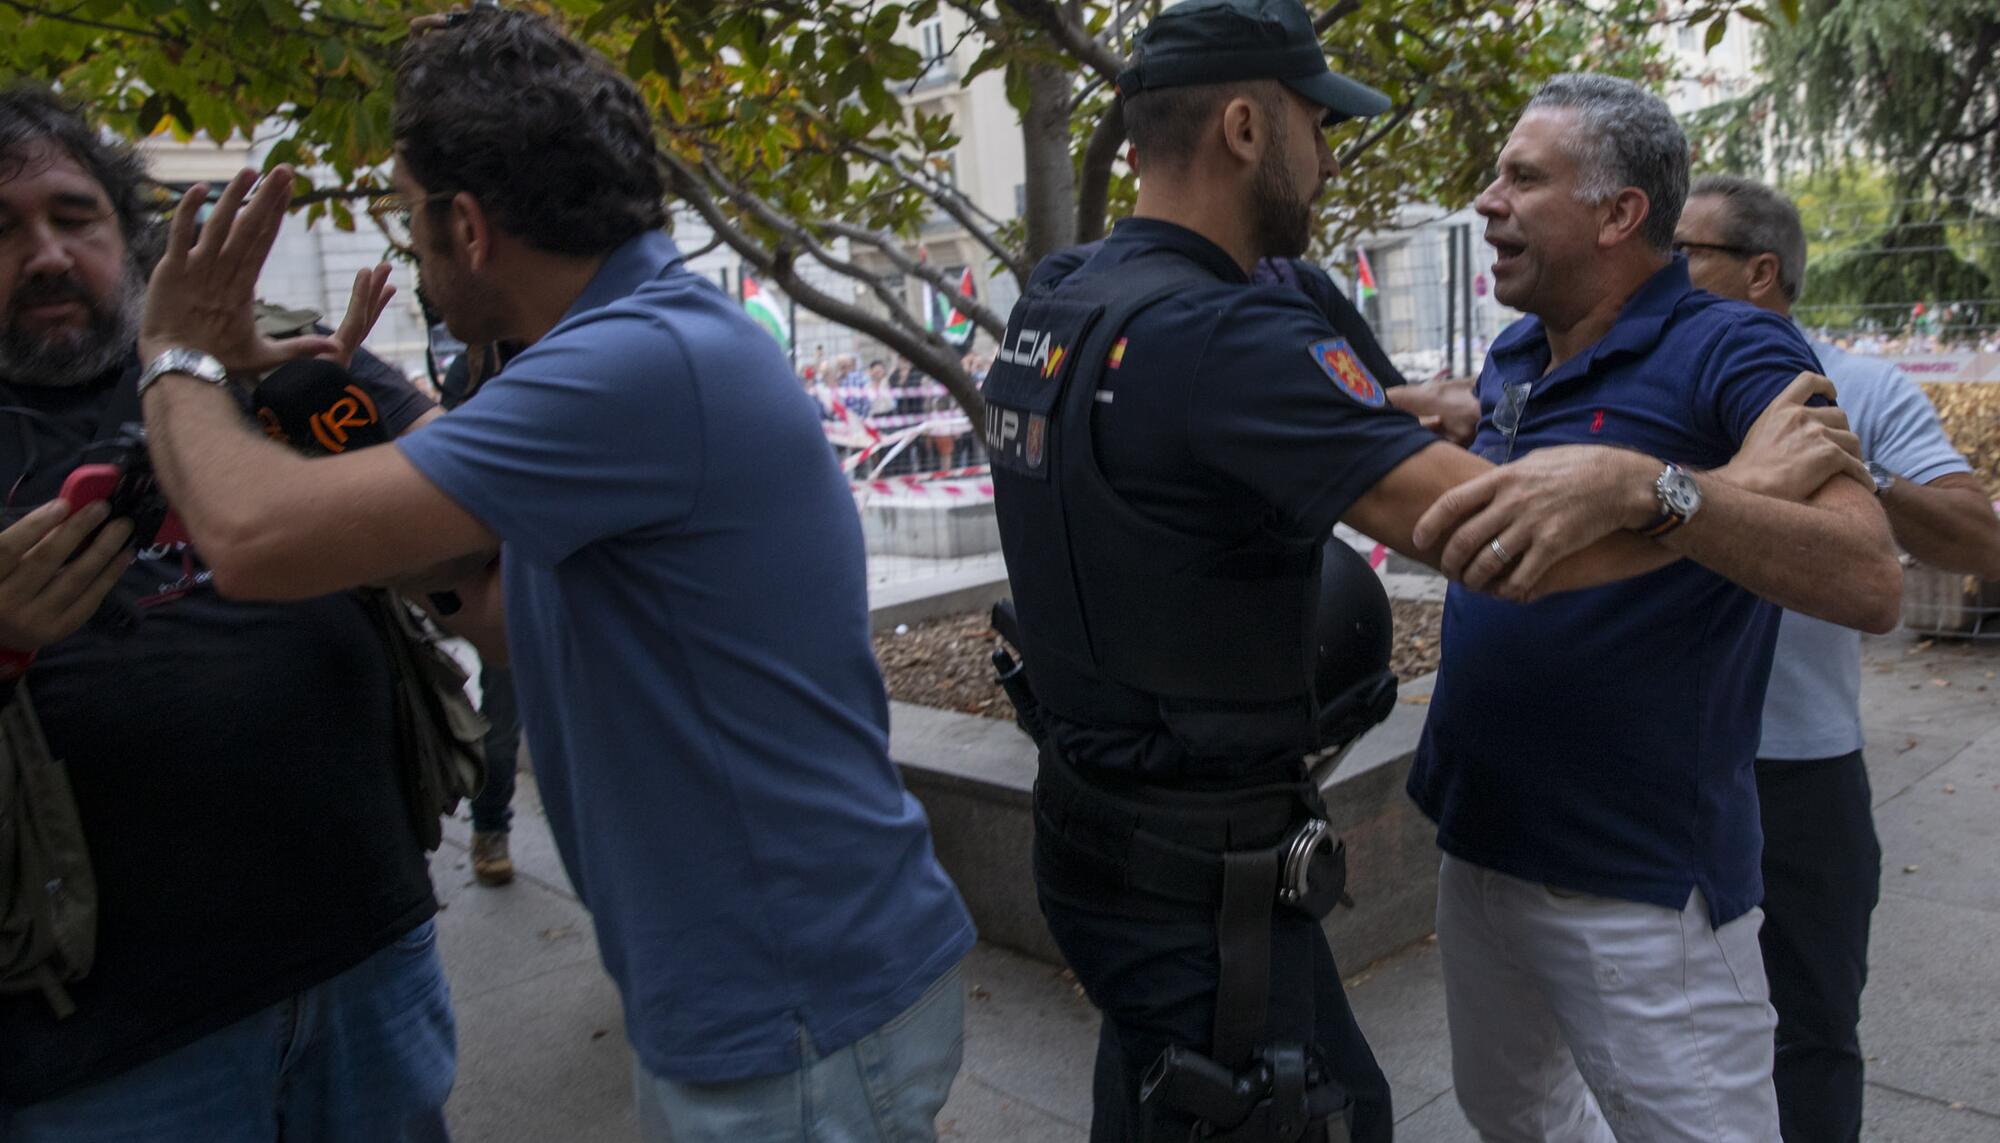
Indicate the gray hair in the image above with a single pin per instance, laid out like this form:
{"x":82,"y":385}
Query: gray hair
{"x":1624,"y":137}
{"x":1762,"y":221}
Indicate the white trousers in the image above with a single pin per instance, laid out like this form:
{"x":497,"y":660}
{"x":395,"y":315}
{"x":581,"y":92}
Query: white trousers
{"x":1580,"y":1019}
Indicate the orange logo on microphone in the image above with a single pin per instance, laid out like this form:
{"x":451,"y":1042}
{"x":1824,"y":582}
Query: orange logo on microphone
{"x":332,"y":426}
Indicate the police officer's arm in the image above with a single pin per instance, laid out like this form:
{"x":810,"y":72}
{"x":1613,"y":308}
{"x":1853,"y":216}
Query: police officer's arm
{"x":1828,"y":557}
{"x":1583,"y":497}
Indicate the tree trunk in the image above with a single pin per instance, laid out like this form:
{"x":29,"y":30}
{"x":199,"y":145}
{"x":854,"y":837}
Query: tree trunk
{"x":1051,"y":187}
{"x":1093,"y":199}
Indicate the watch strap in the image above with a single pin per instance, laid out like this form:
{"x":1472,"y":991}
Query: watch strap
{"x":188,"y":362}
{"x":1668,"y":519}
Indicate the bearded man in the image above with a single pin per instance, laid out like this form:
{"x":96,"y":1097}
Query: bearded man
{"x":266,"y":960}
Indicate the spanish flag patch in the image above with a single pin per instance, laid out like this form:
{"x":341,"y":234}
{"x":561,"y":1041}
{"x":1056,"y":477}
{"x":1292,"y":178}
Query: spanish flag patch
{"x":1116,"y":357}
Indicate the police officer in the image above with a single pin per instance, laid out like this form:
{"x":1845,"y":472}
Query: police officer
{"x":1172,"y":443}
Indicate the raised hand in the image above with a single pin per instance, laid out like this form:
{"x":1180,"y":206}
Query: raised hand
{"x":203,"y":294}
{"x":371,"y":295}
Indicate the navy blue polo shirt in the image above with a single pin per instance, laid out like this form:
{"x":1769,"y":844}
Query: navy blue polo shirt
{"x":1602,"y":740}
{"x":1233,"y":406}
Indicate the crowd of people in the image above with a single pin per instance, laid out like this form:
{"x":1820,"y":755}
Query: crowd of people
{"x":1908,"y":344}
{"x":226,"y":734}
{"x":860,"y":406}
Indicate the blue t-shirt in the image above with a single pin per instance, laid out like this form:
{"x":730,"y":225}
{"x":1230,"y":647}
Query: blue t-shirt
{"x":1812,"y":708}
{"x":687,"y":612}
{"x":1602,"y":740}
{"x":1233,"y":406}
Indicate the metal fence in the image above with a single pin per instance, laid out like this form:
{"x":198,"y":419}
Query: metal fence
{"x":920,"y":478}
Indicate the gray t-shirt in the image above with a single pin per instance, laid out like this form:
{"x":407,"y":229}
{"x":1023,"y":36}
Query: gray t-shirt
{"x":1812,"y":708}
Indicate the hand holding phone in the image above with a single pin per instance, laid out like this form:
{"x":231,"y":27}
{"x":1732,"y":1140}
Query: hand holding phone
{"x":56,"y":567}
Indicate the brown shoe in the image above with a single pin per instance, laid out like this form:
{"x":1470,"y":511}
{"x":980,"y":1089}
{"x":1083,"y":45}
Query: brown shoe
{"x":490,"y":863}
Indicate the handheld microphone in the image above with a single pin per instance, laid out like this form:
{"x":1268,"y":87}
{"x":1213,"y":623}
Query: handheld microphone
{"x":317,"y":408}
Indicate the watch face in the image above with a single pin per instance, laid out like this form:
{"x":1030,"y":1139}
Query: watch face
{"x":1882,"y":476}
{"x":1680,"y":494}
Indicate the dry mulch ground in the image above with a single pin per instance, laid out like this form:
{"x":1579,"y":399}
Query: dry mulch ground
{"x":948,"y":662}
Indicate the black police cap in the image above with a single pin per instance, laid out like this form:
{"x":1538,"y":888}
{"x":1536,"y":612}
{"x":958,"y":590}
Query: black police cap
{"x":1223,"y":41}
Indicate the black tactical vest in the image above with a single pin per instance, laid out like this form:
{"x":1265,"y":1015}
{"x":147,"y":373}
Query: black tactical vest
{"x":1127,"y":621}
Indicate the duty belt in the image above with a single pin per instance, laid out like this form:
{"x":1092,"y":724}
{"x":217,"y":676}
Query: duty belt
{"x":1178,"y":845}
{"x":1239,"y":853}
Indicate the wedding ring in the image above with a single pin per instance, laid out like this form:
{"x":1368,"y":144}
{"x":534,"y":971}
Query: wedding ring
{"x":1505,"y":559}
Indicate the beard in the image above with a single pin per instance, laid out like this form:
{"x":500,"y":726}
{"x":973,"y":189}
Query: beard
{"x":63,"y":358}
{"x":1281,"y":220}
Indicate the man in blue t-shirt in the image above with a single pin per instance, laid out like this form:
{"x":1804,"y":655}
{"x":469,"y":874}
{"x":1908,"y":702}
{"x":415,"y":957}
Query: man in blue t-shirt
{"x":1822,"y":864}
{"x":1588,"y":756}
{"x":684,"y":592}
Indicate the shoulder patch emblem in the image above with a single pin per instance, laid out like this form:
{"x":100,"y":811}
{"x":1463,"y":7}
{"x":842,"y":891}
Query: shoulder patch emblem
{"x":1352,"y":377}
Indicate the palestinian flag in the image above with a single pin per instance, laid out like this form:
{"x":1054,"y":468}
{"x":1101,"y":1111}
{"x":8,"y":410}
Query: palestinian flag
{"x":1364,"y":278}
{"x":956,"y":327}
{"x":763,"y":309}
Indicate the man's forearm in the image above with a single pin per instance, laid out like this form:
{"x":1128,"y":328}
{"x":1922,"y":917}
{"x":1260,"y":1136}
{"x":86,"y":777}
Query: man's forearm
{"x":1829,"y":558}
{"x":225,"y":480}
{"x":1948,"y":524}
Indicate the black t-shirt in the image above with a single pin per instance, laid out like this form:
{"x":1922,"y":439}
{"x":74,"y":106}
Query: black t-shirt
{"x":235,"y":769}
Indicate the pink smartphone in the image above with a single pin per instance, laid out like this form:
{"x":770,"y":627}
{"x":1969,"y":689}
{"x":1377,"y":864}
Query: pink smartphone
{"x":89,"y":483}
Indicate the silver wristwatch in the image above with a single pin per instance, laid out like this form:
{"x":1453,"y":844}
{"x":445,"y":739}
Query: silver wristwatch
{"x":1884,"y":479}
{"x":192,"y":362}
{"x":1680,"y":499}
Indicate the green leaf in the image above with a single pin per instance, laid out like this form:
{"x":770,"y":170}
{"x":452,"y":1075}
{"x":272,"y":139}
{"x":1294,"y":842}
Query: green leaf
{"x":992,"y":57}
{"x":1017,"y":87}
{"x":645,"y":48}
{"x":606,"y":15}
{"x":1791,"y":10}
{"x":1717,"y":28}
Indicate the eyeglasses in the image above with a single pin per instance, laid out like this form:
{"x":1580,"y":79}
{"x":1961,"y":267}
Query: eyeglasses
{"x":1740,"y":251}
{"x":392,"y":213}
{"x":1507,"y":418}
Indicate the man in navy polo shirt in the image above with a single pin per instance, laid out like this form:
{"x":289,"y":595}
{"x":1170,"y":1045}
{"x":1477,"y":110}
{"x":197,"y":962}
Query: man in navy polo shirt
{"x":1588,"y":757}
{"x":707,"y":723}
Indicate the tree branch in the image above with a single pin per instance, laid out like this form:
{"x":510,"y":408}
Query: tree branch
{"x":1069,"y":33}
{"x":153,"y":33}
{"x":892,"y":248}
{"x":798,"y":237}
{"x":1980,"y":57}
{"x":1093,"y":181}
{"x":954,"y":203}
{"x":1335,"y":15}
{"x":925,"y":349}
{"x":1362,"y":145}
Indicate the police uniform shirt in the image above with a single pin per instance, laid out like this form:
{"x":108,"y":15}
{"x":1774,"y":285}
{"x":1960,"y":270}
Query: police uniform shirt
{"x":1226,"y":408}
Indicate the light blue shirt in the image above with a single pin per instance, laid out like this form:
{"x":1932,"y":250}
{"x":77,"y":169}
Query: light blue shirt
{"x":687,"y":612}
{"x":1812,"y":708}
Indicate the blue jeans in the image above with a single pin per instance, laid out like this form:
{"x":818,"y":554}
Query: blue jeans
{"x":886,"y":1087}
{"x":367,"y":1057}
{"x":492,"y":807}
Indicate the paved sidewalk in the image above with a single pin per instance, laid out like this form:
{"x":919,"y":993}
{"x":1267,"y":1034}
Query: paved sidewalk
{"x":543,"y":1057}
